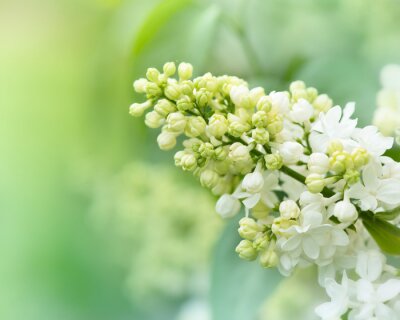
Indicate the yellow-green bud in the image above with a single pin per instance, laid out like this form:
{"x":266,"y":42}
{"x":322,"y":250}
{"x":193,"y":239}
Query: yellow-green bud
{"x":260,"y":135}
{"x":221,"y":167}
{"x":153,"y":120}
{"x":297,"y":85}
{"x":246,"y":250}
{"x":261,"y":242}
{"x":164,"y":107}
{"x":273,"y":161}
{"x":188,"y":162}
{"x":152,"y":74}
{"x":239,"y":152}
{"x":153,"y":90}
{"x":255,"y":95}
{"x":187,"y":87}
{"x":185,"y":71}
{"x":169,"y":69}
{"x":351,"y":176}
{"x":220,"y":153}
{"x":140,"y":85}
{"x":209,"y":178}
{"x":172,"y":91}
{"x":312,"y":94}
{"x":260,"y":119}
{"x":281,"y":224}
{"x":315,"y":183}
{"x":206,"y":150}
{"x":166,"y":140}
{"x":322,"y":103}
{"x":269,"y":258}
{"x":207,"y":82}
{"x":217,"y":125}
{"x":184,"y":104}
{"x":137,"y":109}
{"x":237,"y":128}
{"x":299,"y":94}
{"x":275,"y":123}
{"x":178,"y":157}
{"x":176,"y":122}
{"x":360,"y":157}
{"x":289,"y":209}
{"x":334,"y":146}
{"x":340,"y":161}
{"x":195,"y":127}
{"x":264,"y":104}
{"x":249,"y":228}
{"x":203,"y":97}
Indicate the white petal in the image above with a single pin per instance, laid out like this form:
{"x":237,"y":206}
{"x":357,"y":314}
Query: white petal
{"x":250,"y":202}
{"x":365,"y":290}
{"x":310,"y":247}
{"x":389,"y":191}
{"x":388,"y":290}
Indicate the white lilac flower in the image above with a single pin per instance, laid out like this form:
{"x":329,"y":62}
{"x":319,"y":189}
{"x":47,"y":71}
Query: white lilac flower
{"x":372,"y":140}
{"x":333,"y":125}
{"x":227,"y":206}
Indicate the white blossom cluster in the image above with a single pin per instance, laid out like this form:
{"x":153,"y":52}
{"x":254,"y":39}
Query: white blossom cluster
{"x":312,"y":184}
{"x":387,"y":115}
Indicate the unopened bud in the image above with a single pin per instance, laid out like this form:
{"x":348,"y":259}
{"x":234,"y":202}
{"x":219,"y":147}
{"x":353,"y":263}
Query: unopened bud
{"x":185,"y":71}
{"x":315,"y":183}
{"x":166,"y":140}
{"x":246,"y":250}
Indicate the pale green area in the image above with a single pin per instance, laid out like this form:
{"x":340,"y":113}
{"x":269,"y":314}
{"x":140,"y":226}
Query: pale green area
{"x":66,"y":69}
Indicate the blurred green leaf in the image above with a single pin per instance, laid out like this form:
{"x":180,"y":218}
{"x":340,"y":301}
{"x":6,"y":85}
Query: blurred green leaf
{"x":386,"y":235}
{"x":238,"y":287}
{"x":155,"y":21}
{"x":389,"y":215}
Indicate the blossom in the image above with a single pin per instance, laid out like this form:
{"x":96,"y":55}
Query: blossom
{"x":372,"y":140}
{"x":227,"y":206}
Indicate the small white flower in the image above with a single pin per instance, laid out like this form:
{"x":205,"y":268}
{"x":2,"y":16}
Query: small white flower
{"x":289,"y":209}
{"x":345,"y":211}
{"x":227,"y":206}
{"x":372,"y":140}
{"x":301,"y":111}
{"x":291,"y":152}
{"x":253,"y":182}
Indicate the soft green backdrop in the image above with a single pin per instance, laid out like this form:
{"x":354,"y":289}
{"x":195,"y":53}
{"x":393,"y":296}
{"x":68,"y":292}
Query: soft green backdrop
{"x":66,"y":70}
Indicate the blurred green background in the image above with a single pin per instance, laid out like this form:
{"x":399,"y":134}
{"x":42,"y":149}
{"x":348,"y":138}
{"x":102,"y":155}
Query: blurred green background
{"x":95,"y":222}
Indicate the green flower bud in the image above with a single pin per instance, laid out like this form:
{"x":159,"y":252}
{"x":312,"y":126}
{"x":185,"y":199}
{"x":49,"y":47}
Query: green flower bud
{"x":164,"y":107}
{"x":237,"y":128}
{"x":172,"y":91}
{"x":217,"y":125}
{"x":187,"y":88}
{"x":255,"y":95}
{"x":137,"y":109}
{"x":322,"y":103}
{"x":152,"y":74}
{"x":299,"y":94}
{"x":178,"y":158}
{"x":166,"y":140}
{"x":269,"y":258}
{"x":169,"y":69}
{"x":246,"y":250}
{"x":261,"y":242}
{"x":260,"y":119}
{"x":360,"y":157}
{"x":140,"y":85}
{"x":275,"y":123}
{"x":260,"y":135}
{"x":188,"y":162}
{"x":207,"y":82}
{"x":209,"y":178}
{"x":315,"y":183}
{"x":351,"y":176}
{"x":312,"y":94}
{"x":184,"y":103}
{"x":153,"y":120}
{"x":203,"y":97}
{"x":249,"y":228}
{"x":220,"y":153}
{"x":185,"y":71}
{"x":221,"y":167}
{"x":264,"y":104}
{"x":297,"y":85}
{"x":273,"y":161}
{"x":195,"y":127}
{"x":340,"y":161}
{"x":335,"y":146}
{"x":176,"y":122}
{"x":206,"y":150}
{"x":153,"y":90}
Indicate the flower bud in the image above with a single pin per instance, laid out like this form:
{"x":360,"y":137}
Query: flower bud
{"x":169,"y":69}
{"x":280,"y":225}
{"x":166,"y":140}
{"x":203,"y":97}
{"x":275,"y":123}
{"x":220,"y":153}
{"x":302,"y":111}
{"x":334,"y":146}
{"x":164,"y":107}
{"x":227,"y":206}
{"x":260,"y":135}
{"x":187,"y":88}
{"x":185,"y":71}
{"x":176,"y":122}
{"x":237,"y":128}
{"x":178,"y":158}
{"x":137,"y":109}
{"x":249,"y":228}
{"x":269,"y":258}
{"x":273,"y":161}
{"x":223,"y":186}
{"x":207,"y":82}
{"x":255,"y":95}
{"x":188,"y":162}
{"x":340,"y":161}
{"x":312,"y":94}
{"x":195,"y":127}
{"x":261,"y":242}
{"x":351,"y":176}
{"x":153,"y":90}
{"x":264,"y":104}
{"x":246,"y":250}
{"x":315,"y":183}
{"x":239,"y":152}
{"x":209,"y":178}
{"x":299,"y":94}
{"x":360,"y":157}
{"x":140,"y":85}
{"x":206,"y":150}
{"x":322,"y":103}
{"x":345,"y":211}
{"x":289,"y":209}
{"x":291,"y":152}
{"x":153,"y":120}
{"x":217,"y":125}
{"x":253,"y":182}
{"x":297,"y":85}
{"x":152,"y":74}
{"x":184,"y":104}
{"x":318,"y":163}
{"x":259,"y":119}
{"x":172,"y":91}
{"x":240,"y":96}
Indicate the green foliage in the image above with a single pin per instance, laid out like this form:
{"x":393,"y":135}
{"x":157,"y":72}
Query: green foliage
{"x":238,"y":288}
{"x":389,"y":215}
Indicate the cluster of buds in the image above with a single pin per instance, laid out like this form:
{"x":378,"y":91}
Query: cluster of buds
{"x":304,"y":173}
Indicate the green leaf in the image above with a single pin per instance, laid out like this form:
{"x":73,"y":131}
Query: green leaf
{"x":386,"y":235}
{"x":389,"y":215}
{"x":155,"y":21}
{"x":238,"y":287}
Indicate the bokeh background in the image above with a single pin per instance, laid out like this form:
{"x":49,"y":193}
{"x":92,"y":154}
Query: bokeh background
{"x":95,"y":222}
